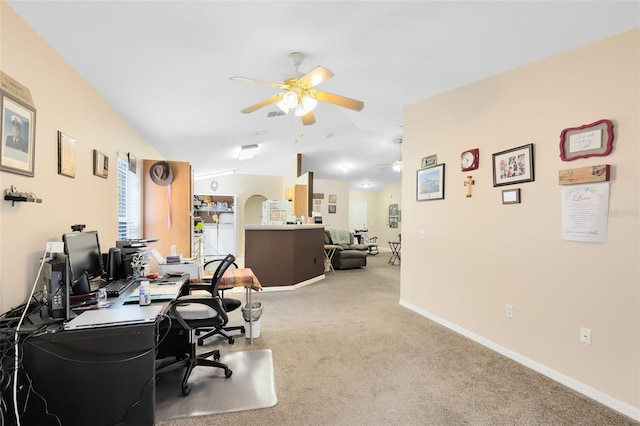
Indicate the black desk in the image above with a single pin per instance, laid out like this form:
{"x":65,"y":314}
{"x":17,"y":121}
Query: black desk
{"x":96,"y":376}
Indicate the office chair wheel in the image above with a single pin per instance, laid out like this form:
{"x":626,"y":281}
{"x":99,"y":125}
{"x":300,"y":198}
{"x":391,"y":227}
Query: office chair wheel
{"x":216,"y":356}
{"x":227,"y":373}
{"x":231,"y":340}
{"x":186,"y":390}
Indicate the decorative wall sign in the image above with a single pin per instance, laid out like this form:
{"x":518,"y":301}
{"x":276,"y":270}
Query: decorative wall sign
{"x":513,"y":166}
{"x":585,"y":212}
{"x":100,"y":164}
{"x":599,"y":173}
{"x":66,"y":155}
{"x":429,"y":161}
{"x":590,"y":140}
{"x":18,"y":128}
{"x":430,"y":183}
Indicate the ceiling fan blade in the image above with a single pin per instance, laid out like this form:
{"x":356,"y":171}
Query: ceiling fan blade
{"x":315,"y":76}
{"x":274,"y":98}
{"x":266,"y":83}
{"x":308,"y":118}
{"x":342,"y":101}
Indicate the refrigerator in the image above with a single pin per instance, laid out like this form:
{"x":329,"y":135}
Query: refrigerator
{"x":220,"y":237}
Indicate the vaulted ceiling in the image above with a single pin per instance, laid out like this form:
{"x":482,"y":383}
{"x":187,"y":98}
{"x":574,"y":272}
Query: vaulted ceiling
{"x":166,"y":67}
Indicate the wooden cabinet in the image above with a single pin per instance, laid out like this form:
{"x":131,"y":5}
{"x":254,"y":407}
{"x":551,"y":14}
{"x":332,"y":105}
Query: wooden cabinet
{"x":298,"y":195}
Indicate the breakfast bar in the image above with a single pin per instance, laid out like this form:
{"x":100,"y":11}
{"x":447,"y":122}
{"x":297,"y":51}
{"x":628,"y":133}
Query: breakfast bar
{"x":285,"y":255}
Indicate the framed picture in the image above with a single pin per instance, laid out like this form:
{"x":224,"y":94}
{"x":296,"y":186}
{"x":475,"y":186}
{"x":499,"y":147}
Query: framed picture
{"x":332,"y":208}
{"x":590,"y":140}
{"x":513,"y":166}
{"x":511,"y":196}
{"x":430,"y":183}
{"x":393,"y":221}
{"x":18,"y":125}
{"x":393,"y":210}
{"x":100,"y":164}
{"x":333,"y":198}
{"x":66,"y":155}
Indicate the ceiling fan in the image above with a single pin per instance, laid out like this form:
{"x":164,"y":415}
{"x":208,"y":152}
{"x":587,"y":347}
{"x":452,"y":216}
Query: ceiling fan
{"x":298,"y":92}
{"x":396,"y":166}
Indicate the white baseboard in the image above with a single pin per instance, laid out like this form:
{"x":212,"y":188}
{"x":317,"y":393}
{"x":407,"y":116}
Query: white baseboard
{"x":587,"y":391}
{"x":295,"y":286}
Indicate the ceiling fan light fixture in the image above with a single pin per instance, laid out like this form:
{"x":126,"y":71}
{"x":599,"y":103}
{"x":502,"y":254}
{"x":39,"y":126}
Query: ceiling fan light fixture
{"x":397,"y":166}
{"x":306,"y":105}
{"x":289,"y":99}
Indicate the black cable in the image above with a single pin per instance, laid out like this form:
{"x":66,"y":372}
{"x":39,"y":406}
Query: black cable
{"x":44,"y":400}
{"x":81,"y":361}
{"x":138,"y":401}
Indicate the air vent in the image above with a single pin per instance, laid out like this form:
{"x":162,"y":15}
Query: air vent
{"x":275,"y":113}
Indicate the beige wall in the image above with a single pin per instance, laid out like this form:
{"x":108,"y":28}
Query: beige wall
{"x":64,"y":102}
{"x":479,"y":255}
{"x":339,"y":188}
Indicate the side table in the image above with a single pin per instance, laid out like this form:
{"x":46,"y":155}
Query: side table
{"x":329,"y":251}
{"x":395,"y":252}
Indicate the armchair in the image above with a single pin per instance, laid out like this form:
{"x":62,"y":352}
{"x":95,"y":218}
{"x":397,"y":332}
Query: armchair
{"x":191,"y":312}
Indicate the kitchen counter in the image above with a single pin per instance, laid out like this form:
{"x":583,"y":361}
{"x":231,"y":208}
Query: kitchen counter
{"x":282,"y":227}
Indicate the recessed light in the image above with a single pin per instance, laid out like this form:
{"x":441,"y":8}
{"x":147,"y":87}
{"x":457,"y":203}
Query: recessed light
{"x":247,"y":152}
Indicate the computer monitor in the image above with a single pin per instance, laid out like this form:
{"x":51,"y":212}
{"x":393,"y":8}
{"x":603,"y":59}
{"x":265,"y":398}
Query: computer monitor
{"x":83,"y":249}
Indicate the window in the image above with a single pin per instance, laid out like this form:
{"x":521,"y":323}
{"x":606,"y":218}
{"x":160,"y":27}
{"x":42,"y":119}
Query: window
{"x":129,"y":226}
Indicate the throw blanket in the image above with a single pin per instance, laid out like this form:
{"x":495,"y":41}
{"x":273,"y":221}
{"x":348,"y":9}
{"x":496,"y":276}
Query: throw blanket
{"x":340,"y":236}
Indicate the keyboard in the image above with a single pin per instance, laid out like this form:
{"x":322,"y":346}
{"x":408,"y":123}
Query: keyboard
{"x":117,"y":287}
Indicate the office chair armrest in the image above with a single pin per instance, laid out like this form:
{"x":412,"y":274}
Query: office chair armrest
{"x":191,"y":286}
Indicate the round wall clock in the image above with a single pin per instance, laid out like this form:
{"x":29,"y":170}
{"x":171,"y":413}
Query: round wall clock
{"x":470,"y":159}
{"x":214,"y":185}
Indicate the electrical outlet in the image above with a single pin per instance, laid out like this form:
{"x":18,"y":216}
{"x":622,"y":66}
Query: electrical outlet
{"x":585,"y":335}
{"x":510,"y":311}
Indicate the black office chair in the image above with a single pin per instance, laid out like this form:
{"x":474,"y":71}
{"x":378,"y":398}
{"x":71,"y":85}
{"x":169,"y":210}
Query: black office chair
{"x":228,"y":304}
{"x":194,"y":312}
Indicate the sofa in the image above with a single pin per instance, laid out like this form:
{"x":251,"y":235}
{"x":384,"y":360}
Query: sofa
{"x":349,"y":254}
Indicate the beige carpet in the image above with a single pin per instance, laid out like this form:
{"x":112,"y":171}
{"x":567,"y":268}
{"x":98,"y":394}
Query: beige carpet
{"x":250,"y":387}
{"x":346,"y":353}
